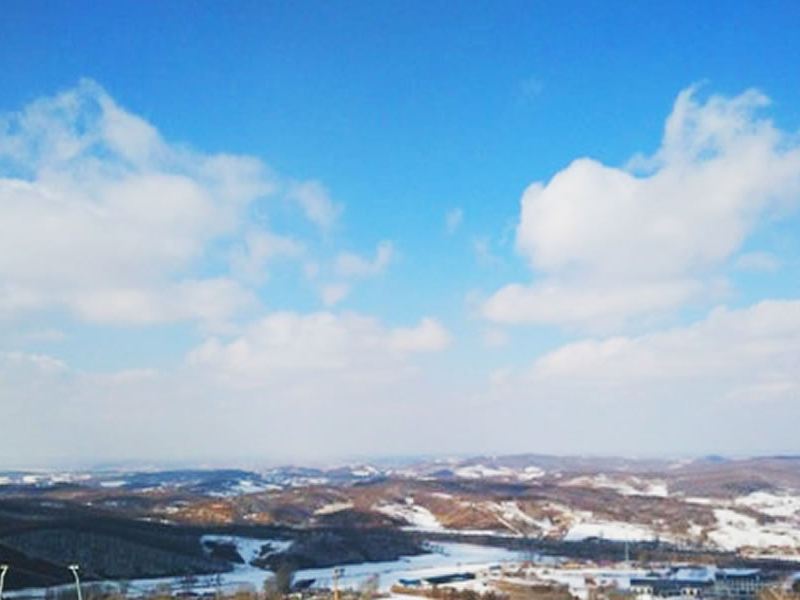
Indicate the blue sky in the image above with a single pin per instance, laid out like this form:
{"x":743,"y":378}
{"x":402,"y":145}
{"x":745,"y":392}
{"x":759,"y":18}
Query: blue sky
{"x":260,"y":214}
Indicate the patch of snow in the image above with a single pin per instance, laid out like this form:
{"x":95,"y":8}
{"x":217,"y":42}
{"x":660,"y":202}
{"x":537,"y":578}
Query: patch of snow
{"x":333,"y":507}
{"x":679,"y":464}
{"x":511,"y":515}
{"x":113,"y":484}
{"x":249,"y":548}
{"x":482,"y":471}
{"x":365,"y":471}
{"x":444,"y":558}
{"x":418,"y":517}
{"x":735,"y":530}
{"x":512,"y":512}
{"x":529,"y":473}
{"x":774,"y":505}
{"x":628,"y":486}
{"x":695,"y":530}
{"x":609,"y":530}
{"x":700,"y":501}
{"x":245,"y":486}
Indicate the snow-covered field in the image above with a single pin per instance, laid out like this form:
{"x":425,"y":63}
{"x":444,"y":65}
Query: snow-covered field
{"x":735,"y":530}
{"x":609,"y":530}
{"x":774,"y":505}
{"x":441,"y":559}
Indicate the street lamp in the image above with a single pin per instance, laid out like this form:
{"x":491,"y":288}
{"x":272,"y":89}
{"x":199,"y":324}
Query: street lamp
{"x":74,"y":569}
{"x":337,"y":572}
{"x":3,"y":571}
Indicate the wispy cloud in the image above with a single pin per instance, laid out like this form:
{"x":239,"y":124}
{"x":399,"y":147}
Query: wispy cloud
{"x":758,"y":261}
{"x":316,"y":203}
{"x":351,"y":265}
{"x":452,"y":220}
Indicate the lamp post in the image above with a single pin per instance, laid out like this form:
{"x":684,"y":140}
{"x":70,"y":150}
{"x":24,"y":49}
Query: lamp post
{"x":337,"y":572}
{"x":3,"y":571}
{"x":74,"y":569}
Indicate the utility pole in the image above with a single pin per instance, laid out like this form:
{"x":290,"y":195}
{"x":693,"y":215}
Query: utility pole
{"x":3,"y":571}
{"x":74,"y":569}
{"x":337,"y":572}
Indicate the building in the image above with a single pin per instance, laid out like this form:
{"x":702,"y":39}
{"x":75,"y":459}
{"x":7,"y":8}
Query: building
{"x":737,"y":583}
{"x":706,"y":582}
{"x":667,"y":587}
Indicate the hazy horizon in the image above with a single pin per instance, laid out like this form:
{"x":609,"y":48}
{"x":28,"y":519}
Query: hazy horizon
{"x":331,"y":462}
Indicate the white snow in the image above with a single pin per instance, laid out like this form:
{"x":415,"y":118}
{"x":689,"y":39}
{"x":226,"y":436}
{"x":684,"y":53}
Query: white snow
{"x":577,"y":579}
{"x":609,"y":530}
{"x":627,"y":486}
{"x":699,"y":500}
{"x":249,"y":548}
{"x":774,"y":505}
{"x":442,"y":558}
{"x":512,"y":512}
{"x":482,"y":471}
{"x":511,"y":516}
{"x":531,"y":473}
{"x":333,"y":507}
{"x":735,"y":530}
{"x":364,"y":471}
{"x":118,"y":483}
{"x":418,"y":517}
{"x":245,"y":486}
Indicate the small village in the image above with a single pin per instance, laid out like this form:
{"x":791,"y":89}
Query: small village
{"x":582,"y":581}
{"x":523,"y":580}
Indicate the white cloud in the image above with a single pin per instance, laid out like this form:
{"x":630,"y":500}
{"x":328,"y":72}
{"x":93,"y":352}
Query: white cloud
{"x":302,"y":346}
{"x":428,"y":336}
{"x":211,"y":301}
{"x":609,"y":244}
{"x":353,"y":265}
{"x":731,"y":350}
{"x":452,"y":220}
{"x":334,"y":293}
{"x":758,"y":261}
{"x":347,"y":383}
{"x":728,"y":383}
{"x":592,"y":304}
{"x":495,"y":338}
{"x":14,"y":363}
{"x":105,"y":218}
{"x":249,"y":260}
{"x":484,"y":254}
{"x":316,"y":203}
{"x":45,"y":335}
